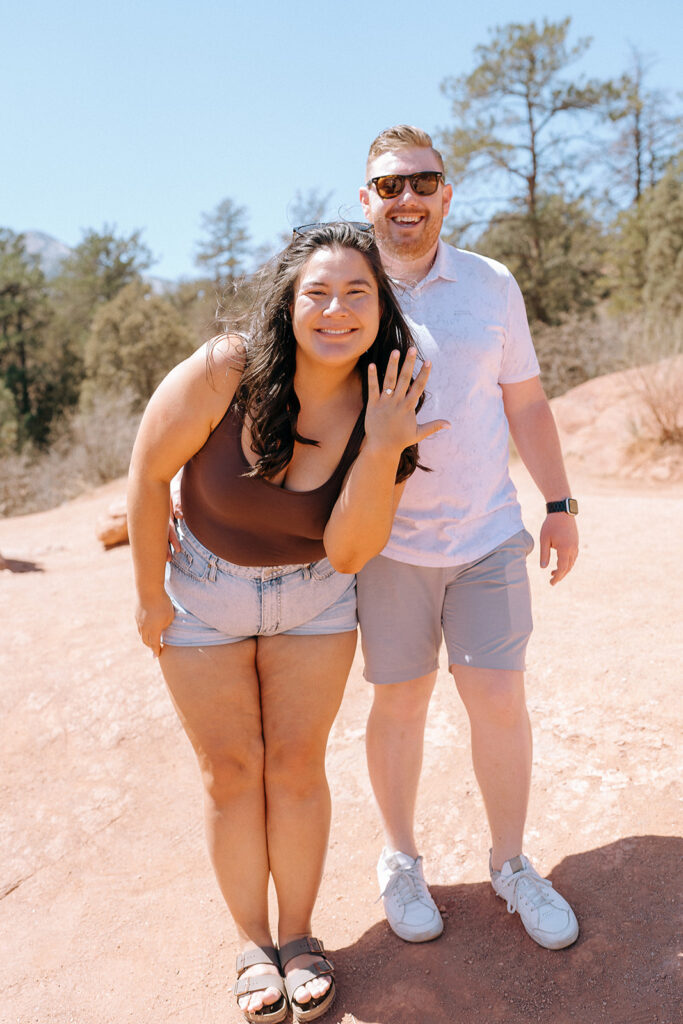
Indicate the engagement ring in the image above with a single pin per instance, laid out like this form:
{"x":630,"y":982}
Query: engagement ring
{"x":388,"y":391}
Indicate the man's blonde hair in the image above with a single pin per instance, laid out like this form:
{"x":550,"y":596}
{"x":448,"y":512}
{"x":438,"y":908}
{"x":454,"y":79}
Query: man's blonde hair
{"x":402,"y":136}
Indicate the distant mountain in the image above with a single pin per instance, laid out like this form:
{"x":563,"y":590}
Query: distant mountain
{"x":50,"y":251}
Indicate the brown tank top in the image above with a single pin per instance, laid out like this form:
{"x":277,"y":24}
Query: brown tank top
{"x":247,"y":519}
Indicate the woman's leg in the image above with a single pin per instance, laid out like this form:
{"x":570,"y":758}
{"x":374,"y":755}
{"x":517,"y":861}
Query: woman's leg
{"x":302,"y":682}
{"x":215,"y":691}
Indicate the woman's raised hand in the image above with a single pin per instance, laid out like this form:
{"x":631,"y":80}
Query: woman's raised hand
{"x":390,"y":420}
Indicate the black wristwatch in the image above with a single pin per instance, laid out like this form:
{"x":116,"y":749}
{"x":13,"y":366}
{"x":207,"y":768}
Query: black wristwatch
{"x":569,"y":505}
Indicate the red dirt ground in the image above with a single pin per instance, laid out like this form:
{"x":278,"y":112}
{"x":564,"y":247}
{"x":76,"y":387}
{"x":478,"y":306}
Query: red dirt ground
{"x":110,"y":912}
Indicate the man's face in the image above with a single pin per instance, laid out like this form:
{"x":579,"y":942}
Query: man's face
{"x":407,"y":227}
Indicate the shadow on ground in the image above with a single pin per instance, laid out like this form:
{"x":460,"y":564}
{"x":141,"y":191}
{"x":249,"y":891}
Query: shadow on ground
{"x":484,"y":967}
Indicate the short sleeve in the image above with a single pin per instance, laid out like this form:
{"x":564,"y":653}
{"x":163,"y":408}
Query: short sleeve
{"x":519,"y":356}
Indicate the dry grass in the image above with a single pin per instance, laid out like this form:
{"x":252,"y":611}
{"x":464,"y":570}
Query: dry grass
{"x":661,"y":389}
{"x":582,"y":349}
{"x":88,"y":449}
{"x":660,"y":386}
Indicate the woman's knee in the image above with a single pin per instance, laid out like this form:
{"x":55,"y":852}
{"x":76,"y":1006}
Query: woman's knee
{"x":295,"y":765}
{"x":229,"y":772}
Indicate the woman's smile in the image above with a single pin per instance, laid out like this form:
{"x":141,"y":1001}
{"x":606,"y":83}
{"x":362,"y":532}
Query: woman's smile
{"x":331,"y":331}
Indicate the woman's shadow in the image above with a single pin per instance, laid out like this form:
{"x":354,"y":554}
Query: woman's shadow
{"x":621,"y":970}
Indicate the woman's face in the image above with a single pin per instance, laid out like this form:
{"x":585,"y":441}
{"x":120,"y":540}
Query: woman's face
{"x":336,"y":309}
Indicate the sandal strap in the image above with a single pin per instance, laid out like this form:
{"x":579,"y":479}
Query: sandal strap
{"x":307,"y":944}
{"x":300,"y":975}
{"x":304,"y":974}
{"x":259,"y":955}
{"x":257,"y":983}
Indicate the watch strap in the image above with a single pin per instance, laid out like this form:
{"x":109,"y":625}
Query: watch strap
{"x":568,"y":505}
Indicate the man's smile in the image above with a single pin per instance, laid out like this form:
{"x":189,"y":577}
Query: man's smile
{"x":407,"y":218}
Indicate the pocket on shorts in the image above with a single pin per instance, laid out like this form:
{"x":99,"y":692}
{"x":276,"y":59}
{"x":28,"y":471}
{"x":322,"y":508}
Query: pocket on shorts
{"x":528,"y":542}
{"x":190,"y":562}
{"x":322,"y":570}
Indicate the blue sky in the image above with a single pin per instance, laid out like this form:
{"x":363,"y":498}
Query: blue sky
{"x":146,"y":114}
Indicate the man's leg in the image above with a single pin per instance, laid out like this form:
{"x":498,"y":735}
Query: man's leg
{"x":394,"y":742}
{"x":399,"y":608}
{"x":487,"y":621}
{"x":501,"y":752}
{"x":501,"y":755}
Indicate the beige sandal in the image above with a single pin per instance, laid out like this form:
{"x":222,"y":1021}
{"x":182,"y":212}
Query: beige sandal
{"x":274,"y":1012}
{"x":314,"y":1008}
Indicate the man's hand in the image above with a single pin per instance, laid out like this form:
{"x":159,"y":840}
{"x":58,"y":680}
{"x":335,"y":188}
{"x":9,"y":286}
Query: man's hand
{"x":559,"y":531}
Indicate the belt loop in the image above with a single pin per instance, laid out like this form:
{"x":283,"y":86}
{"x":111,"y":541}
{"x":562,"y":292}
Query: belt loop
{"x":212,"y":569}
{"x":306,"y":570}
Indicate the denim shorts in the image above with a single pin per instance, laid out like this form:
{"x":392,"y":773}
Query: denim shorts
{"x":482,"y":610}
{"x":217,"y":602}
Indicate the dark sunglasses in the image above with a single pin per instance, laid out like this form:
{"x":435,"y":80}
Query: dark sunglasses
{"x":423,"y":183}
{"x":359,"y":225}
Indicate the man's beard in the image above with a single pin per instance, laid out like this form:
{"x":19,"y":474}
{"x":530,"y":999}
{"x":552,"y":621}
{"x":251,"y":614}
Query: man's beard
{"x":407,"y":249}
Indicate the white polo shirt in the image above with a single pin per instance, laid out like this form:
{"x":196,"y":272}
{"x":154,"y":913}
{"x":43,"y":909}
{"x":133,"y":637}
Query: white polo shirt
{"x":468,"y":317}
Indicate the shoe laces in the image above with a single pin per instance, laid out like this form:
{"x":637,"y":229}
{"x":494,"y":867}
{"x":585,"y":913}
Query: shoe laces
{"x":408,"y":883}
{"x":529,"y":885}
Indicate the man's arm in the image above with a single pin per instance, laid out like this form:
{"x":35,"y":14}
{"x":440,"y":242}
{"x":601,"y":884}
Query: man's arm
{"x":534,"y":432}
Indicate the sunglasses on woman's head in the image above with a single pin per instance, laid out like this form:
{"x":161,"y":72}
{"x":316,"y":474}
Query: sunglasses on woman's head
{"x":359,"y":225}
{"x":423,"y":183}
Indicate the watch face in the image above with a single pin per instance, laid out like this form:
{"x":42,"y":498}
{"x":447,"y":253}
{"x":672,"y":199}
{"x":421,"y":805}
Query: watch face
{"x":573,"y":506}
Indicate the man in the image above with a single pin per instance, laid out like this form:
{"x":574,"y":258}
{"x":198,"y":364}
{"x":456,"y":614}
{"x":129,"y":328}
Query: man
{"x":456,"y":560}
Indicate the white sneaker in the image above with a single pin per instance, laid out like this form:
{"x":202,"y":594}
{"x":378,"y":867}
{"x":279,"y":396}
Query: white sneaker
{"x":547,"y":917}
{"x":411,"y":911}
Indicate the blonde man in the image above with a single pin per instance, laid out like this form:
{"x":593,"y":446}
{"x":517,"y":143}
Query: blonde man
{"x":455,"y":565}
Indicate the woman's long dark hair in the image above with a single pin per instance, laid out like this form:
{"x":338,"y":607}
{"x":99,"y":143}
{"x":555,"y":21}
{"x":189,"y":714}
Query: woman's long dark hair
{"x":266,"y":391}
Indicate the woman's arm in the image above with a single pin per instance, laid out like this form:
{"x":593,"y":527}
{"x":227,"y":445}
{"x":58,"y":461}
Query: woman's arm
{"x":362,"y":517}
{"x":188,"y":404}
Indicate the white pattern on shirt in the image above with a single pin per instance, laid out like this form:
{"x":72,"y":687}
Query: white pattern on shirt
{"x":468,"y":318}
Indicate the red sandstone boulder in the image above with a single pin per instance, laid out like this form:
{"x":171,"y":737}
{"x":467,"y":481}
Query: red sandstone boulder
{"x":112,"y":528}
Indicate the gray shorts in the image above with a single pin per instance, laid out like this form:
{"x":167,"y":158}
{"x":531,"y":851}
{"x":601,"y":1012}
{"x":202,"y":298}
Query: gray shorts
{"x":218,"y":602}
{"x":482,"y":609}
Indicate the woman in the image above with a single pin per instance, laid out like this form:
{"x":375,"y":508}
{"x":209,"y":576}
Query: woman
{"x":293,"y":462}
